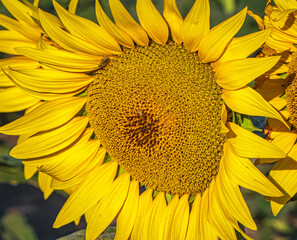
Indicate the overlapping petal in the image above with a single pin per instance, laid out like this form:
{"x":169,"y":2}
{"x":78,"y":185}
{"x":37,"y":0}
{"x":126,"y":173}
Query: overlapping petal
{"x":174,"y":19}
{"x":47,"y":116}
{"x":82,"y":199}
{"x":88,"y":30}
{"x":125,"y":22}
{"x":196,"y":25}
{"x":49,"y":142}
{"x":216,"y":40}
{"x":152,"y":21}
{"x":120,"y":35}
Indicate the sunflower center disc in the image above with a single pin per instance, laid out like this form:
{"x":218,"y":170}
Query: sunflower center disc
{"x":291,"y":90}
{"x":157,"y":111}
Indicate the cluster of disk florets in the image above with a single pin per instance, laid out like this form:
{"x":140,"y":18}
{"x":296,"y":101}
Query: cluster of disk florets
{"x":291,"y":90}
{"x":157,"y":111}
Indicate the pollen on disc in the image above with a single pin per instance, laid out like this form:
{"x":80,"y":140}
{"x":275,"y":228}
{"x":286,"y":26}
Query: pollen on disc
{"x":157,"y":111}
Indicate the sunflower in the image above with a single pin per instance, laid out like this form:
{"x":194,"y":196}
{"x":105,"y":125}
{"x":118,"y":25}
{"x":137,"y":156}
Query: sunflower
{"x":123,"y":107}
{"x":278,"y":87}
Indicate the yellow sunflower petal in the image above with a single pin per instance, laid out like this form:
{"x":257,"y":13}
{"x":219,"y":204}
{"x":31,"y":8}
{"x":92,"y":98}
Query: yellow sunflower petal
{"x":284,"y":140}
{"x":217,"y":218}
{"x":14,"y":99}
{"x":250,"y":145}
{"x":242,"y":47}
{"x":49,"y":115}
{"x":72,"y":6}
{"x":167,"y":219}
{"x":144,"y":226}
{"x":29,"y":171}
{"x":155,"y":217}
{"x":44,"y":182}
{"x":206,"y":231}
{"x":278,"y":103}
{"x":32,"y":11}
{"x":25,"y":30}
{"x":244,"y":173}
{"x":215,"y":41}
{"x":127,"y":216}
{"x":286,"y":4}
{"x":145,"y":202}
{"x":174,"y":19}
{"x":74,"y":164}
{"x":193,"y":228}
{"x":83,"y":198}
{"x":181,"y":218}
{"x":19,"y":62}
{"x":280,"y":46}
{"x":224,"y":115}
{"x":5,"y":81}
{"x":71,"y":180}
{"x":62,"y":154}
{"x":9,"y":40}
{"x":121,"y":36}
{"x":88,"y":30}
{"x":50,"y":81}
{"x":196,"y":25}
{"x":283,"y":174}
{"x":235,"y":74}
{"x":230,"y":196}
{"x":152,"y":21}
{"x":125,"y":22}
{"x":248,"y":101}
{"x":19,"y":11}
{"x":108,"y":207}
{"x":46,"y":143}
{"x":63,"y":60}
{"x":66,"y":40}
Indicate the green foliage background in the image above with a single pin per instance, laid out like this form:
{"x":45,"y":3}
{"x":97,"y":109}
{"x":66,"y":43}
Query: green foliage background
{"x":16,"y":221}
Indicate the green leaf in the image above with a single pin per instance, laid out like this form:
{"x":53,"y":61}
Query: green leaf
{"x":10,"y":174}
{"x":245,"y":122}
{"x":15,"y":227}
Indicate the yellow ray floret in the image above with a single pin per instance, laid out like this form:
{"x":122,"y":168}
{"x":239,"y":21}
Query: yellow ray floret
{"x":82,"y":199}
{"x":127,"y":216}
{"x":14,"y":99}
{"x":167,"y":220}
{"x":108,"y":207}
{"x":54,"y":84}
{"x":52,"y":141}
{"x":125,"y":22}
{"x":254,"y":145}
{"x":174,"y":19}
{"x":181,"y":218}
{"x":88,"y":30}
{"x":252,"y":103}
{"x":49,"y":115}
{"x":196,"y":25}
{"x":119,"y":35}
{"x":235,"y":74}
{"x":215,"y":41}
{"x":152,"y":21}
{"x":63,"y":60}
{"x":242,"y":47}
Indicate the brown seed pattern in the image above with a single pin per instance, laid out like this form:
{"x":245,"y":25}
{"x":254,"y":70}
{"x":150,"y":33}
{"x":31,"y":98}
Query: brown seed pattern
{"x":157,"y":111}
{"x":291,"y":90}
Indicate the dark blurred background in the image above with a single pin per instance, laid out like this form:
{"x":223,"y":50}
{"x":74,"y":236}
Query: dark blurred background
{"x":25,"y":215}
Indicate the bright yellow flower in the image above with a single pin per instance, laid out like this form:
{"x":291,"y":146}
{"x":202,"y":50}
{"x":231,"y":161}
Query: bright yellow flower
{"x":279,"y":88}
{"x":120,"y":105}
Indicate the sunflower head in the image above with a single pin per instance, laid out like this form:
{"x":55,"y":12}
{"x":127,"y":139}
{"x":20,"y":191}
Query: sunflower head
{"x":121,"y":104}
{"x":157,"y":109}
